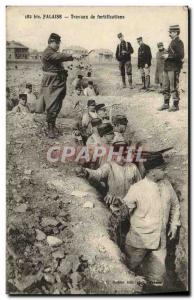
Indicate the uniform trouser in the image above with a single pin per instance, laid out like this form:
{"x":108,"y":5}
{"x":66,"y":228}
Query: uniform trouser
{"x":125,"y":67}
{"x":145,"y":75}
{"x":53,"y":91}
{"x":154,"y":267}
{"x":54,"y":109}
{"x":171,"y":86}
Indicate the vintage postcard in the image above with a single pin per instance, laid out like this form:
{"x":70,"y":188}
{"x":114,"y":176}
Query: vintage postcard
{"x":97,"y":124}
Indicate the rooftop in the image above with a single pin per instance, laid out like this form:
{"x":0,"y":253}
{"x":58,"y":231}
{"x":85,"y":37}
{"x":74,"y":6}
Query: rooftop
{"x":14,"y":44}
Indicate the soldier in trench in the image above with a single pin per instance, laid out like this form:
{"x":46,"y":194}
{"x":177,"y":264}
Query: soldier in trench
{"x":113,"y":179}
{"x":82,"y":128}
{"x":152,"y":204}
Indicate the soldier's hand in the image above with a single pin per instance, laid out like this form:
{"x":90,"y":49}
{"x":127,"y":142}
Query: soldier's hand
{"x":108,"y":199}
{"x":146,"y":66}
{"x":81,"y":172}
{"x":76,"y":56}
{"x":165,"y":55}
{"x":172,"y":232}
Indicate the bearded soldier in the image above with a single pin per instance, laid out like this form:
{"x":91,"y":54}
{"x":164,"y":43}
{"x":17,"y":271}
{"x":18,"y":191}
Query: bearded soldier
{"x":53,"y":85}
{"x":172,"y":67}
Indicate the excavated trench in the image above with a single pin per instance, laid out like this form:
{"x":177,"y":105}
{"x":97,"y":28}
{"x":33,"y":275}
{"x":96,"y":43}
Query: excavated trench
{"x":117,"y":233}
{"x":95,"y":238}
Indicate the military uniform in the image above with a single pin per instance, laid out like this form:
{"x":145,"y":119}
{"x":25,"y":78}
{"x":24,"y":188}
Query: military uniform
{"x":119,"y":120}
{"x":159,"y":65}
{"x":123,"y":55}
{"x":151,"y":206}
{"x":82,"y":126}
{"x":172,"y":68}
{"x":144,"y":58}
{"x":53,"y":85}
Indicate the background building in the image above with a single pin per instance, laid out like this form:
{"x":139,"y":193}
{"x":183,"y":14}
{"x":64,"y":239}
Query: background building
{"x":101,"y":56}
{"x":75,"y":50}
{"x":16,"y":50}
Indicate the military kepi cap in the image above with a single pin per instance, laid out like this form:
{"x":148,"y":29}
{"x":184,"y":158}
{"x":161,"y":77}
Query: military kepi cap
{"x":28,"y":85}
{"x":119,"y":119}
{"x":119,"y":35}
{"x":105,"y":129}
{"x":100,"y":106}
{"x":23,"y":96}
{"x":91,"y":103}
{"x":160,"y":44}
{"x":96,"y":122}
{"x":54,"y":37}
{"x":139,"y":38}
{"x":175,"y":28}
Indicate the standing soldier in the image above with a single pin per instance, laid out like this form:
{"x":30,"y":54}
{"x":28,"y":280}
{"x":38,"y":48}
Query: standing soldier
{"x":172,"y":67}
{"x":160,"y":66}
{"x":144,"y":62}
{"x":123,"y":55}
{"x":53,"y":85}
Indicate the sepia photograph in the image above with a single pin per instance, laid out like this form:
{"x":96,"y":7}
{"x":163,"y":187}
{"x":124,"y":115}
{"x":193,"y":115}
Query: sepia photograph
{"x":97,"y":150}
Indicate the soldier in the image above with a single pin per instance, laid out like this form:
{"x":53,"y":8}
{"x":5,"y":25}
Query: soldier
{"x":22,"y":107}
{"x":172,"y":68}
{"x":152,"y":203}
{"x":9,"y":101}
{"x":90,"y":90}
{"x":53,"y":85}
{"x":123,"y":55}
{"x":82,"y":128}
{"x":102,"y":113}
{"x":88,"y":116}
{"x":106,"y":133}
{"x":94,"y":138}
{"x":118,"y":177}
{"x":93,"y":141}
{"x":120,"y":124}
{"x":78,"y":84}
{"x":144,"y":62}
{"x":31,"y":98}
{"x":160,"y":66}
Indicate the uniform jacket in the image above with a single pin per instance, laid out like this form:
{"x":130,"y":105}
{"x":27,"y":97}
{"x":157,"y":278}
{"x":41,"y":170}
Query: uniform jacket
{"x":144,"y":56}
{"x":152,"y":205}
{"x":175,"y":55}
{"x":159,"y":66}
{"x":90,"y":92}
{"x":117,"y":178}
{"x":21,"y":109}
{"x":126,"y":46}
{"x":52,"y":60}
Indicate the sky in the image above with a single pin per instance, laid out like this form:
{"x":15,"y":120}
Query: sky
{"x":152,"y":23}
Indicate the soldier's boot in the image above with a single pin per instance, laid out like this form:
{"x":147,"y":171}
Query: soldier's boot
{"x":51,"y":133}
{"x":130,"y":81}
{"x":147,"y":82}
{"x":123,"y":81}
{"x":56,"y":130}
{"x":143,"y":82}
{"x":164,"y":106}
{"x":174,"y":107}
